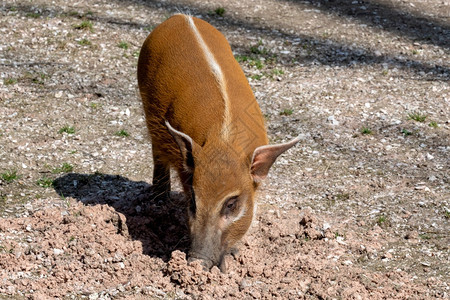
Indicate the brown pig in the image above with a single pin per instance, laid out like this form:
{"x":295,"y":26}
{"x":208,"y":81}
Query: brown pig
{"x":204,"y":122}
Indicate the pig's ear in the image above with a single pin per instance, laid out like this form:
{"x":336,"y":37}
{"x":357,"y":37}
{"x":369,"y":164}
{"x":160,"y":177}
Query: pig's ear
{"x":186,"y":145}
{"x":265,"y":156}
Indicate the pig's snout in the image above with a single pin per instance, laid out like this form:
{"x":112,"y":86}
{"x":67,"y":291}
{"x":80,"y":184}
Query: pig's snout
{"x":205,"y":262}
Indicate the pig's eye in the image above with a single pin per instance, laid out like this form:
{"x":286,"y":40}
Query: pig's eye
{"x":230,"y":205}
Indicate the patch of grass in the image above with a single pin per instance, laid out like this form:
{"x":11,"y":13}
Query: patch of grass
{"x":424,"y":236}
{"x":252,"y":61}
{"x":366,"y":130}
{"x":286,"y":112}
{"x":415,"y":52}
{"x":256,"y":77}
{"x":9,"y":176}
{"x":40,"y":78}
{"x":9,"y":81}
{"x":277,"y":72}
{"x":447,"y":214}
{"x":123,"y":45}
{"x":65,"y":168}
{"x":331,"y":201}
{"x":84,"y":42}
{"x":122,"y":133}
{"x":94,"y":105}
{"x":385,"y":72}
{"x":65,"y":200}
{"x":85,"y":25}
{"x":342,"y":196}
{"x":220,"y":11}
{"x":45,"y":182}
{"x":256,"y":63}
{"x":241,"y":58}
{"x":259,"y":50}
{"x":417,"y":116}
{"x":406,"y":132}
{"x":381,"y":220}
{"x":44,"y":76}
{"x":67,"y":129}
{"x":136,"y":54}
{"x":33,"y":15}
{"x":433,"y":124}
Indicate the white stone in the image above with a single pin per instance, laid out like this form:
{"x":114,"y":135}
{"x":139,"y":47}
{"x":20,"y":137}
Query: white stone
{"x":332,"y":120}
{"x":58,"y":251}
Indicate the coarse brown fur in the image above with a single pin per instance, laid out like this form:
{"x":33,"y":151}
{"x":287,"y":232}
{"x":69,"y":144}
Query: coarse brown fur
{"x":186,"y":112}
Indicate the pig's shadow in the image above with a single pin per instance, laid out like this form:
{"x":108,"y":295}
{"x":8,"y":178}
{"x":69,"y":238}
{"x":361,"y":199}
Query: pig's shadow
{"x":160,"y":226}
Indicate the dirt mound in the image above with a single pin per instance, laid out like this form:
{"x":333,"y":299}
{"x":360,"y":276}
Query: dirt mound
{"x":81,"y":250}
{"x":87,"y":250}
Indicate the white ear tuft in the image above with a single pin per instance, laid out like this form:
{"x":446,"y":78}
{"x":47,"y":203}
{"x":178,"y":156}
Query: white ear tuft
{"x":186,"y":144}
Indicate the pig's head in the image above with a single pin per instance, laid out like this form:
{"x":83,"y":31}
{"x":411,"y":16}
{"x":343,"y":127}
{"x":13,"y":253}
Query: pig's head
{"x":220,"y":185}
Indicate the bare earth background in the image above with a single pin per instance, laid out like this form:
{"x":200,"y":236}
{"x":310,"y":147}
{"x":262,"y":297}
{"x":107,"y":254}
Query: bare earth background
{"x":358,"y":210}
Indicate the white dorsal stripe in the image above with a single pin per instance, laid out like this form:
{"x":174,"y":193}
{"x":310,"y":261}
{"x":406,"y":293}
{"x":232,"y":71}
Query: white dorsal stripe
{"x":217,"y":72}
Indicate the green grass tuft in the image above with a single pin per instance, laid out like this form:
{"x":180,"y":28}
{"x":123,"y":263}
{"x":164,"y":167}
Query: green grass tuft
{"x":256,"y":77}
{"x":122,"y":133}
{"x":67,"y":129}
{"x":9,"y":176}
{"x":277,"y":72}
{"x":424,"y":236}
{"x":406,"y":132}
{"x":433,"y":124}
{"x":220,"y":11}
{"x":9,"y":81}
{"x":381,"y":220}
{"x":259,"y":50}
{"x":447,"y":214}
{"x":287,"y":112}
{"x":123,"y":45}
{"x":94,"y":105}
{"x":342,"y":196}
{"x":417,"y":116}
{"x":45,"y":182}
{"x":84,"y":42}
{"x":85,"y":25}
{"x":65,"y":168}
{"x":366,"y":130}
{"x":34,"y":15}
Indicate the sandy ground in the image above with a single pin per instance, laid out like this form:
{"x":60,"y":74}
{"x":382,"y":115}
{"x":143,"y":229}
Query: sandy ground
{"x":358,"y":210}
